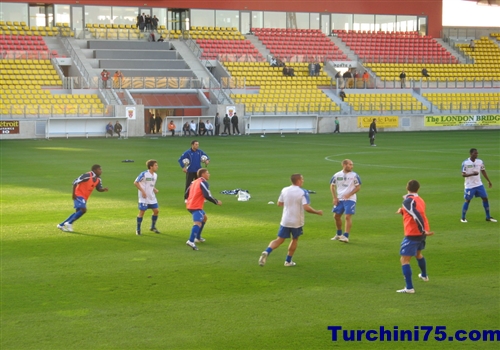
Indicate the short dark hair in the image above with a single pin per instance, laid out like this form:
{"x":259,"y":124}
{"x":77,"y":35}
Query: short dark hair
{"x":150,"y":163}
{"x":295,"y":177}
{"x":201,"y":171}
{"x":413,"y":186}
{"x":193,"y":142}
{"x":472,"y":150}
{"x":95,"y":167}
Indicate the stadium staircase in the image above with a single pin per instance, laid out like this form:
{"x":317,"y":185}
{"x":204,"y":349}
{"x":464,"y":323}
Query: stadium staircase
{"x":258,"y":45}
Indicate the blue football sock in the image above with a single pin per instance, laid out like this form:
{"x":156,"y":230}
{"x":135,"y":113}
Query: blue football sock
{"x":269,"y":250}
{"x":153,"y":220}
{"x":346,"y":234}
{"x":139,"y":222}
{"x":423,"y":266}
{"x":339,"y":232}
{"x":194,"y":232}
{"x":288,"y":258}
{"x":76,"y":216}
{"x":465,"y":207}
{"x":486,"y":206}
{"x":68,"y":219}
{"x":201,"y":229}
{"x":407,"y":273}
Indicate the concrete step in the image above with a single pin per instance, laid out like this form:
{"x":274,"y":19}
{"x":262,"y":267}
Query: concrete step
{"x":458,"y":54}
{"x":258,"y":45}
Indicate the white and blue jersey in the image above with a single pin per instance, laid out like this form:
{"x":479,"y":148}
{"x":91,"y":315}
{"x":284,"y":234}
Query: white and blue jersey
{"x":148,"y":182}
{"x":345,"y":183}
{"x":293,"y":198}
{"x":469,"y":167}
{"x":194,"y":159}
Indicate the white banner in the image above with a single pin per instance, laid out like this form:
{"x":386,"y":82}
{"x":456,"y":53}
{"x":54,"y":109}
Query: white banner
{"x":230,"y":110}
{"x":130,"y":112}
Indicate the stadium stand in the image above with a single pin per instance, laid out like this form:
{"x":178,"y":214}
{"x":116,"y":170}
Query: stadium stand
{"x":299,"y":44}
{"x":25,"y":89}
{"x":395,"y":47}
{"x":441,"y":72}
{"x":224,"y":44}
{"x":486,"y":53}
{"x":20,"y":28}
{"x":404,"y":102}
{"x":281,"y":93}
{"x":464,"y":101}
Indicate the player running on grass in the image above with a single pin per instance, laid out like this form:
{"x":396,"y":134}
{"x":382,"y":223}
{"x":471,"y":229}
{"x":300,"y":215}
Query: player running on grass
{"x":471,"y":169}
{"x":82,"y":189}
{"x":294,"y":200}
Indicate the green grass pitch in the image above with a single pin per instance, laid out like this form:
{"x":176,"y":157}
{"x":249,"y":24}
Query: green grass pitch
{"x":103,"y":287}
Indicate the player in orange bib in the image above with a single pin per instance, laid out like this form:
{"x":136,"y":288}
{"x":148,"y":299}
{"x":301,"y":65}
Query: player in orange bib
{"x":416,"y":227}
{"x":196,"y":194}
{"x":82,"y":189}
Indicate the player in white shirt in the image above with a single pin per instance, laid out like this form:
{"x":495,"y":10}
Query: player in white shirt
{"x":472,"y":168}
{"x":145,"y":183}
{"x":294,"y":201}
{"x":344,"y":185}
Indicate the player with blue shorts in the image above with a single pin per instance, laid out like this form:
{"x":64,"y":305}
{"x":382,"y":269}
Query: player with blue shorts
{"x":196,"y":195}
{"x":471,"y":170}
{"x":146,"y":186}
{"x":344,"y":185}
{"x":83,"y":187}
{"x":416,"y":227}
{"x":294,"y":200}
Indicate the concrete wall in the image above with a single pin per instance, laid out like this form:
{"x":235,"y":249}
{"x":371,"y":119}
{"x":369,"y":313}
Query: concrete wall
{"x":144,"y":63}
{"x":135,"y":128}
{"x":127,"y":45}
{"x":136,"y":55}
{"x":168,"y":73}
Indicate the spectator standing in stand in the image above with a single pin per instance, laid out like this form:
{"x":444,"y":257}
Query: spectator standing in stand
{"x":402,"y":77}
{"x":105,"y":77}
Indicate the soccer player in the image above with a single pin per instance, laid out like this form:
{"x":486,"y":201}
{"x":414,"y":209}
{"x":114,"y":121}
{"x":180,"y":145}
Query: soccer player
{"x":145,"y":183}
{"x":344,"y":185}
{"x":416,"y":229}
{"x":294,"y":201}
{"x":196,"y":195}
{"x":82,"y":189}
{"x":471,"y":168}
{"x":194,"y":155}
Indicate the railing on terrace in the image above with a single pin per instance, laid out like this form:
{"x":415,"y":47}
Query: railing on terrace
{"x":458,"y":83}
{"x":84,"y":80}
{"x":54,"y":111}
{"x":453,"y":43}
{"x":399,"y":59}
{"x":299,"y":108}
{"x":23,"y":55}
{"x":387,"y":108}
{"x":468,"y":107}
{"x":136,"y":83}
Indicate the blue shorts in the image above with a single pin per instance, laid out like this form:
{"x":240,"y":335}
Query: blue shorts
{"x":349,"y":207}
{"x":478,"y":191}
{"x":410,"y":248}
{"x":80,"y":203}
{"x":198,"y":215}
{"x":287,"y":232}
{"x":144,"y":206}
